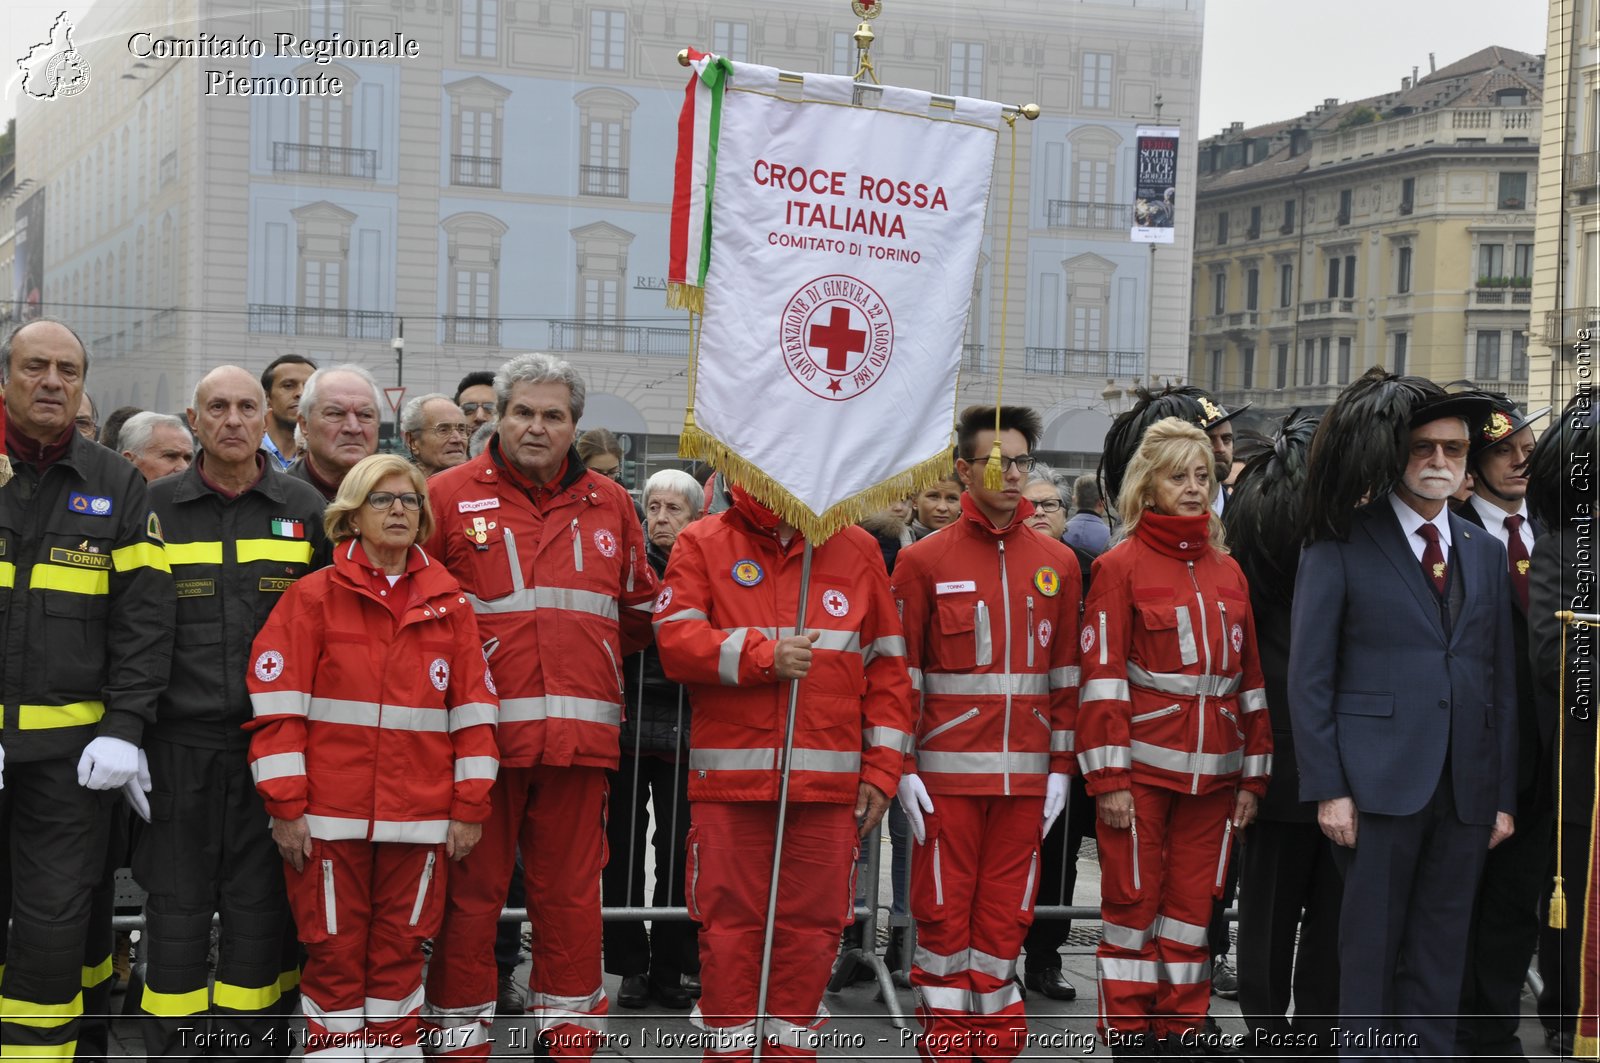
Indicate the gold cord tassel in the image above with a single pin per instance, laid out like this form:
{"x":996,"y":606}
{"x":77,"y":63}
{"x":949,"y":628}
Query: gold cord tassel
{"x":994,"y":477}
{"x":1558,"y":896}
{"x":1558,"y":906}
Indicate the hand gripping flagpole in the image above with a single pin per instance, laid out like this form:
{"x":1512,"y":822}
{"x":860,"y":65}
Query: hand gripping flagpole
{"x":783,"y":811}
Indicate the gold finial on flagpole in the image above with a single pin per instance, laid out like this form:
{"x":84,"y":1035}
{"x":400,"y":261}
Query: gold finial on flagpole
{"x":1030,"y":111}
{"x":683,"y":57}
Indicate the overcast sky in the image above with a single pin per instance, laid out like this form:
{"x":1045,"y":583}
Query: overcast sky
{"x":1264,"y":59}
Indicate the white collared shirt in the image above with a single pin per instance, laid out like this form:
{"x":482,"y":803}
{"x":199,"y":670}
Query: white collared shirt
{"x":1494,"y":521}
{"x":1411,"y":520}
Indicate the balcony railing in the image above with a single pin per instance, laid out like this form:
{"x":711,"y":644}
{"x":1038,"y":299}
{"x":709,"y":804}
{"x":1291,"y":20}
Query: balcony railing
{"x":1502,"y":296}
{"x":1563,"y":326}
{"x":972,"y":356}
{"x":1583,"y":171}
{"x":475,"y":171}
{"x":1327,"y":308}
{"x":323,"y":160}
{"x":1076,"y":214}
{"x":472,"y":331}
{"x":1058,"y":361}
{"x":603,"y":181}
{"x":1273,"y":398}
{"x":315,"y":321}
{"x":618,"y":339}
{"x":1515,"y":390}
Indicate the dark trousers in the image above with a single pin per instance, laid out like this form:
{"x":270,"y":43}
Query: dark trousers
{"x":508,"y":938}
{"x":1217,"y":938}
{"x":1058,"y":877}
{"x":1288,"y":883}
{"x":670,"y":948}
{"x":1561,"y":951}
{"x":1408,"y":891}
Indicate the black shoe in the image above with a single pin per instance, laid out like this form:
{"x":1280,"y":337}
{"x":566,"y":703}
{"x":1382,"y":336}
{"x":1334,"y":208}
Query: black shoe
{"x":511,"y":998}
{"x":690,"y":983}
{"x":1224,"y":979}
{"x":669,"y":993}
{"x":1051,"y":983}
{"x":634,"y":992}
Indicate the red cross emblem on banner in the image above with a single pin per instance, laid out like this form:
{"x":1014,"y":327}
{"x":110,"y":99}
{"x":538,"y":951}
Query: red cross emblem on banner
{"x":836,"y":335}
{"x":838,"y":338}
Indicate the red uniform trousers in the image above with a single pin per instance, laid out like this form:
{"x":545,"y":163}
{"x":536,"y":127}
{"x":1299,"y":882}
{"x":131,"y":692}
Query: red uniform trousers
{"x":363,"y":910}
{"x":558,"y":817}
{"x":1153,"y":963}
{"x":973,"y":882}
{"x":729,"y":872}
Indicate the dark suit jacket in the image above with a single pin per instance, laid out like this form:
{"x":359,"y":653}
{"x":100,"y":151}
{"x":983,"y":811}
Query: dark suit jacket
{"x":1563,"y":577}
{"x":1535,"y":730}
{"x":1379,"y":694}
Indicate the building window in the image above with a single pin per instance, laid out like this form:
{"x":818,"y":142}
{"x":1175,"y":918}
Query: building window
{"x":480,"y":28}
{"x":1401,"y":340}
{"x":324,"y":18}
{"x":602,"y":264}
{"x":1408,"y":194}
{"x":1247,"y":366}
{"x":1282,"y":378}
{"x":1487,"y":367}
{"x":1286,"y":284}
{"x":1216,"y":369}
{"x":1345,"y":197}
{"x":1513,"y":191}
{"x":731,"y":40}
{"x":608,"y":39}
{"x":1491,"y":262}
{"x":1344,"y":359}
{"x":1222,"y":227}
{"x":472,"y":243}
{"x":1522,"y":264}
{"x":1088,"y":328}
{"x":966,"y":68}
{"x":1402,"y":271}
{"x":1094,"y":151}
{"x":1308,"y":363}
{"x":1349,"y":276}
{"x":1097,"y":81}
{"x":1324,"y":348}
{"x":1255,"y":223}
{"x":1288,"y":217}
{"x":327,"y":121}
{"x":1252,"y":288}
{"x":1519,"y":354}
{"x":1333,"y":276}
{"x":477,"y":154}
{"x":600,"y":300}
{"x":844,"y":54}
{"x":1219,"y":293}
{"x":605,"y":119}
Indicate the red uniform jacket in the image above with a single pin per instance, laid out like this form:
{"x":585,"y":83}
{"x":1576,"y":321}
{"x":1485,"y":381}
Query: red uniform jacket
{"x":562,"y":591}
{"x":1172,"y":690}
{"x":731,"y":590}
{"x":991,"y":617}
{"x":372,"y":726}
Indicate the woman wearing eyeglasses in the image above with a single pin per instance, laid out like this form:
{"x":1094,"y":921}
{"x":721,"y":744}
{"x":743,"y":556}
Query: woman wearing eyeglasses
{"x":373,"y":748}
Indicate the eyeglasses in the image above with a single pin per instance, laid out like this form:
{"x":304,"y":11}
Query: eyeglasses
{"x":1453,"y":448}
{"x":445,"y":431}
{"x":84,"y":423}
{"x":1022,"y":462}
{"x":1049,"y":505}
{"x":470,"y":408}
{"x":613,"y":473}
{"x":386,"y":500}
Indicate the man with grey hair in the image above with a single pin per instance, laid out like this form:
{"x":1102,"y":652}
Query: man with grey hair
{"x":435,"y":432}
{"x":158,"y":444}
{"x":552,"y":559}
{"x":339,"y":416}
{"x":1087,"y":530}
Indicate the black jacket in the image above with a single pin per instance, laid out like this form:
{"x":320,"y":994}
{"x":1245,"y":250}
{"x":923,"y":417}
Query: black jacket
{"x":1562,"y":576}
{"x":231,"y":560}
{"x":660,"y":724}
{"x":86,"y":605}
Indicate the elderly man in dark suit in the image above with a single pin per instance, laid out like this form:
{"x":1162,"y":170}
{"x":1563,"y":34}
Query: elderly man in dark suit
{"x":1403,"y":700}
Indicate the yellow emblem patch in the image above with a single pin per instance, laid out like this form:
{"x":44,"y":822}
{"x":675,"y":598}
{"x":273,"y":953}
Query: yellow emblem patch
{"x":1522,"y":567}
{"x":1048,"y":580}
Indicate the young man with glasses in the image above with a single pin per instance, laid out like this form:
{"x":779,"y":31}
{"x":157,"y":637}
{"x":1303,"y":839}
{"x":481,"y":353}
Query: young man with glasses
{"x":475,"y":396}
{"x":435,"y":432}
{"x":990,"y":610}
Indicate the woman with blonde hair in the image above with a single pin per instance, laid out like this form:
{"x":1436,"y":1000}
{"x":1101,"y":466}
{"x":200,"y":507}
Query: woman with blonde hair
{"x":373,"y":748}
{"x":1173,"y":741}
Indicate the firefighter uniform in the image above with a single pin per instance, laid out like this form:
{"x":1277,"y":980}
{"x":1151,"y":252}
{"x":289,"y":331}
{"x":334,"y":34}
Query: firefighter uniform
{"x":374,"y":719}
{"x":1173,"y":709}
{"x":206,"y":848}
{"x":990,"y":616}
{"x":729,"y":585}
{"x":86,"y":608}
{"x":558,"y":577}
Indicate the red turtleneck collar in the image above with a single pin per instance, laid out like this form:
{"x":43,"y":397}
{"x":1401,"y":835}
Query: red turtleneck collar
{"x":754,"y":512}
{"x":1019,"y":519}
{"x":30,"y":451}
{"x":1185,"y":538}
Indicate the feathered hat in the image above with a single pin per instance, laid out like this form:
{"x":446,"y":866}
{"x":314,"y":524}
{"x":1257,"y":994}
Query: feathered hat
{"x":1262,"y":517}
{"x":1565,"y":463}
{"x":1504,"y":421}
{"x":1122,"y":439}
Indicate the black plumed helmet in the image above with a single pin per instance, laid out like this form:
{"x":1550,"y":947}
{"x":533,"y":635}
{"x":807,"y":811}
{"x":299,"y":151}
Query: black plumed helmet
{"x":1122,"y":439}
{"x":1562,"y":471}
{"x":1263,"y":513}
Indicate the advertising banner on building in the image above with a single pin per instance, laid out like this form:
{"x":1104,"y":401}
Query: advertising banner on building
{"x":27,"y":268}
{"x":1155,"y":184}
{"x":830,"y":248}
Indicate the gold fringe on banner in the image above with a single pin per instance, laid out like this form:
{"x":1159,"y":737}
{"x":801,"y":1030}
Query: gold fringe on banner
{"x":698,"y":444}
{"x":688,"y":297}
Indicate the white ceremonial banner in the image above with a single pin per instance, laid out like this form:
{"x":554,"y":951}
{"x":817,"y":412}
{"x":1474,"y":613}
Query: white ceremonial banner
{"x":842,"y":240}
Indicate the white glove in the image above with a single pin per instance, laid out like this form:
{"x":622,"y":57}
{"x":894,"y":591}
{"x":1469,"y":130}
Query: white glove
{"x":107,"y":763}
{"x":2,"y":767}
{"x":136,"y":788}
{"x":914,"y":801}
{"x":1055,"y":798}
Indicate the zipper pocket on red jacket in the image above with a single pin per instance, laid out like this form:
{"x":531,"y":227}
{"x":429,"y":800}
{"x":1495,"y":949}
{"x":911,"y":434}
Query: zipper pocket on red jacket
{"x":577,"y":547}
{"x":1227,"y":641}
{"x":1133,"y":837}
{"x":1157,"y":714}
{"x":938,"y":875}
{"x":1231,"y":718}
{"x":1041,"y":718}
{"x":982,"y":639}
{"x":330,"y":902}
{"x":616,"y":671}
{"x":1030,"y":631}
{"x":1102,"y":636}
{"x":1033,"y":870}
{"x":943,"y":727}
{"x":422,"y":888}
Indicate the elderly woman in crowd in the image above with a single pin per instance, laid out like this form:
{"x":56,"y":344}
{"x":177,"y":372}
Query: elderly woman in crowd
{"x":374,"y":751}
{"x":1172,"y":739}
{"x":654,"y":768}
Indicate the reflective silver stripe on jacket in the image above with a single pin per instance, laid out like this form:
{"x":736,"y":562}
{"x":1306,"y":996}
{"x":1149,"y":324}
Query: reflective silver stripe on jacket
{"x":897,"y":740}
{"x":1253,"y":700}
{"x":280,"y":703}
{"x":965,"y":684}
{"x":340,"y":828}
{"x":1119,"y":969}
{"x":1126,"y":937}
{"x":1257,"y":765}
{"x":954,"y":763}
{"x":916,"y":678}
{"x":1064,"y":678}
{"x":370,"y":714}
{"x":559,"y":707}
{"x":472,"y":714}
{"x":1179,"y":931}
{"x":476,"y":768}
{"x":732,"y":759}
{"x":570,"y":599}
{"x":728,"y":655}
{"x":277,"y":766}
{"x":1188,"y":763}
{"x":1102,"y":757}
{"x":831,"y":760}
{"x":827,"y":638}
{"x":887,"y":646}
{"x":1212,"y":686}
{"x":681,"y":614}
{"x":1104,"y":690}
{"x":1062,"y":741}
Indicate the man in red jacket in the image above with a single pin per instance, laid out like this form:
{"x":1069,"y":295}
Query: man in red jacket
{"x":732,"y":584}
{"x":552,"y":559}
{"x":990,"y":610}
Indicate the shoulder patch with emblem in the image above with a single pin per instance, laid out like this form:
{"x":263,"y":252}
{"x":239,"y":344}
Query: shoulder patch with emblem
{"x":94,"y":505}
{"x":1086,"y":640}
{"x":152,"y":527}
{"x":288,"y":528}
{"x":1048,"y":580}
{"x":835,"y":602}
{"x":605,"y":541}
{"x":269,"y":666}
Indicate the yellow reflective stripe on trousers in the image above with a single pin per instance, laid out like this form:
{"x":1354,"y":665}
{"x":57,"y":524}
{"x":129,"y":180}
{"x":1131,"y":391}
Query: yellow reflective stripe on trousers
{"x":194,"y":553}
{"x":43,"y":1016}
{"x":72,"y":580}
{"x":246,"y":550}
{"x":44,"y":717}
{"x":93,"y":976}
{"x":140,"y":555}
{"x":242,"y":998}
{"x":173,"y":1005}
{"x":288,"y":980}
